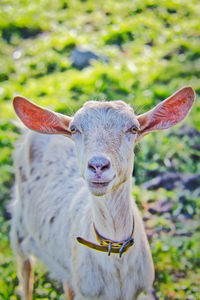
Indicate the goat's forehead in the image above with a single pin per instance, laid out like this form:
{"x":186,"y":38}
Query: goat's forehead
{"x":111,"y":113}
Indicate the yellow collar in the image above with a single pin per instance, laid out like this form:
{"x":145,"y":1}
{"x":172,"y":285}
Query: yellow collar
{"x":107,"y":245}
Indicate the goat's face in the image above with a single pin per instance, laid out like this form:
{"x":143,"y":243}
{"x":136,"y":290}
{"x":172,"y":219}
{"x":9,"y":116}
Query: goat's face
{"x":104,"y":134}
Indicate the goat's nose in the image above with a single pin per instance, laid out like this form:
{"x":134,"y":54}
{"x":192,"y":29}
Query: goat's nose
{"x":98,"y":164}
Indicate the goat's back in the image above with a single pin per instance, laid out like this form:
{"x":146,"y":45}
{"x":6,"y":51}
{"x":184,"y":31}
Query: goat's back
{"x":47,"y":181}
{"x":46,"y":168}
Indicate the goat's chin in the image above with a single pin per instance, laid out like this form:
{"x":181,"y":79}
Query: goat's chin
{"x":98,"y":193}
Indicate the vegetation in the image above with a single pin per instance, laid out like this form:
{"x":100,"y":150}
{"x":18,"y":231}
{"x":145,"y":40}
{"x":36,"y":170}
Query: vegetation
{"x":150,"y":49}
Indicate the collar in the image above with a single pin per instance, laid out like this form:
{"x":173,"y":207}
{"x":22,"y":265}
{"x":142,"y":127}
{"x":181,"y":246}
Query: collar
{"x":107,"y":245}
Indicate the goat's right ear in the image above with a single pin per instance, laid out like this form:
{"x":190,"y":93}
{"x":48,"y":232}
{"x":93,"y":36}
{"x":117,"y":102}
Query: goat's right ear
{"x":167,"y":113}
{"x":40,"y":119}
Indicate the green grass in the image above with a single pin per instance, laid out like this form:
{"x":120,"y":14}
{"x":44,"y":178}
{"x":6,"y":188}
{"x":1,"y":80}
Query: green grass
{"x":153,"y":50}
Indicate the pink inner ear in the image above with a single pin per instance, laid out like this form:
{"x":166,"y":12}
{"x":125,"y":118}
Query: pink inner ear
{"x":40,"y":119}
{"x":169,"y":112}
{"x":174,"y":109}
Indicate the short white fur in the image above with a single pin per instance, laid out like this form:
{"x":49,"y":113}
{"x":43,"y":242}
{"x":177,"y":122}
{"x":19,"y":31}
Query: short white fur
{"x":59,"y":197}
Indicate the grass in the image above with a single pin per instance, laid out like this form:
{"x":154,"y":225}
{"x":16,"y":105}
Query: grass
{"x":152,"y":49}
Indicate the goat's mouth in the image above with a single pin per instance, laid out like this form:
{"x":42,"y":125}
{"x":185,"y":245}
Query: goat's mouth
{"x":99,"y":187}
{"x":98,"y":184}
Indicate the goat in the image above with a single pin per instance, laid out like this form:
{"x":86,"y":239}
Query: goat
{"x":69,"y":212}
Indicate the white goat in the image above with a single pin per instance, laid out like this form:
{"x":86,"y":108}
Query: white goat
{"x":58,"y":198}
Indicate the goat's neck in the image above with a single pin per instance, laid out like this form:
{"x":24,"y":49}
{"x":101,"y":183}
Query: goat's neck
{"x":112,"y":213}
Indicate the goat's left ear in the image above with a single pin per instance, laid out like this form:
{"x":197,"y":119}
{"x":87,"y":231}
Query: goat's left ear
{"x":167,"y":113}
{"x":41,"y":119}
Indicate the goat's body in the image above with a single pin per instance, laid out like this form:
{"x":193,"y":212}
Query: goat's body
{"x":53,"y":207}
{"x":56,"y":203}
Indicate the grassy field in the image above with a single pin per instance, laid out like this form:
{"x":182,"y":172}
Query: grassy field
{"x":147,"y":50}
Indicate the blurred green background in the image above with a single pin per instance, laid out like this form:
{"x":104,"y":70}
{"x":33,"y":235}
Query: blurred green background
{"x":60,"y":54}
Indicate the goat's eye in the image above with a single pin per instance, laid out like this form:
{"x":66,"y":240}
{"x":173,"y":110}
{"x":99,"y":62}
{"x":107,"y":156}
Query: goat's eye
{"x":73,"y":129}
{"x":134,"y":129}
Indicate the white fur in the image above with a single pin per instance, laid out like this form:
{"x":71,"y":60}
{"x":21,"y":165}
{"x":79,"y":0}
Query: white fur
{"x":54,"y":204}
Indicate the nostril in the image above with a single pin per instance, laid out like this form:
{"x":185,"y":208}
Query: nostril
{"x":106,"y":166}
{"x":91,"y":167}
{"x":98,"y":164}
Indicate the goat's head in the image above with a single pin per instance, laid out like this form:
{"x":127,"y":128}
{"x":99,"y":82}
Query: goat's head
{"x":105,"y":133}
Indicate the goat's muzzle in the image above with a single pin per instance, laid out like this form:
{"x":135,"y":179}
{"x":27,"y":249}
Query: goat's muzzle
{"x":99,"y":174}
{"x":98,"y":165}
